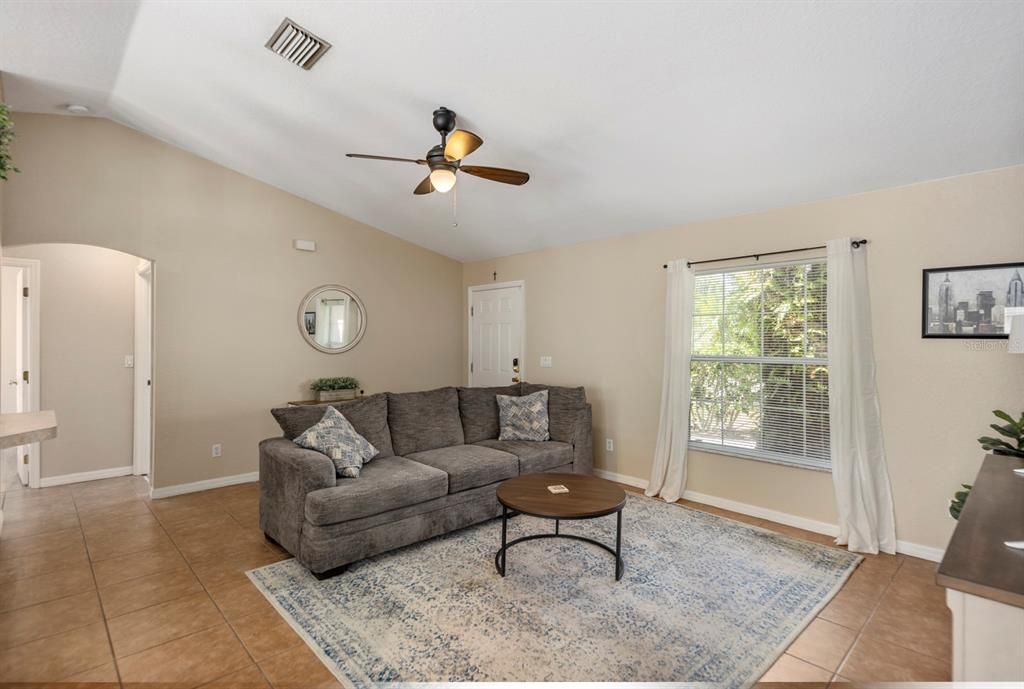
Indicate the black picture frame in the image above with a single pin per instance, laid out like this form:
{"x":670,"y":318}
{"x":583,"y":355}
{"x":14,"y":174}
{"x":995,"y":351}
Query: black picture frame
{"x":976,"y":321}
{"x":310,"y":321}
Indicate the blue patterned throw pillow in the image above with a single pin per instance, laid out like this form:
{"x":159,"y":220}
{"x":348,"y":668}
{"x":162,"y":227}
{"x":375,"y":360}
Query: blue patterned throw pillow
{"x":334,"y":436}
{"x":523,"y":418}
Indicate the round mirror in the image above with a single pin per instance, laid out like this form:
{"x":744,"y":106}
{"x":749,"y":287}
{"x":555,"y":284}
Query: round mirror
{"x":332,"y":319}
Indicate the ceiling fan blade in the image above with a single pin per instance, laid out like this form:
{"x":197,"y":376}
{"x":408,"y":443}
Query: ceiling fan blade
{"x":496,"y":174}
{"x":399,"y":160}
{"x":461,"y":143}
{"x":424,"y":187}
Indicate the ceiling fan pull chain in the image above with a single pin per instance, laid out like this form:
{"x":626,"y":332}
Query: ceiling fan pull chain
{"x":455,"y":207}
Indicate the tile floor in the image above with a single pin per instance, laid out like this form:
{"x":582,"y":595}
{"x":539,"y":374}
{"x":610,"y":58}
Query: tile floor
{"x":100,"y":584}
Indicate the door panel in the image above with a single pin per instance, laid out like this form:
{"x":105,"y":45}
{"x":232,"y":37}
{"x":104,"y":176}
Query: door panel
{"x":496,"y":327}
{"x":14,"y":359}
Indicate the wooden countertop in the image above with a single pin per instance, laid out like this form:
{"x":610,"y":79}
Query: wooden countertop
{"x":976,"y":560}
{"x":28,"y":427}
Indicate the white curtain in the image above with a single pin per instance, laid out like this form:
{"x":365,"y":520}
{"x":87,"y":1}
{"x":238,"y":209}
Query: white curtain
{"x":668,"y":475}
{"x":863,"y":494}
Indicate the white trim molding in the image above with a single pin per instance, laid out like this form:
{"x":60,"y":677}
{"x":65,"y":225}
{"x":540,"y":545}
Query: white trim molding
{"x":82,"y":476}
{"x":905,"y":547}
{"x":208,"y":484}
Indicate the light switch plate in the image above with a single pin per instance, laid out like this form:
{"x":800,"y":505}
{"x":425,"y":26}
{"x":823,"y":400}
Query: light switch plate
{"x":546,"y":362}
{"x":129,"y":361}
{"x":217,"y":450}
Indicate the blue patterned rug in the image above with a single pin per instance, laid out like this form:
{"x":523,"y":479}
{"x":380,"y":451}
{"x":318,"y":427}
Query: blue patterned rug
{"x":703,"y":599}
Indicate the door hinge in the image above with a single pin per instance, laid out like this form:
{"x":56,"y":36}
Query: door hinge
{"x":24,"y":376}
{"x":24,"y":459}
{"x":24,"y":291}
{"x":471,"y":311}
{"x":470,"y":366}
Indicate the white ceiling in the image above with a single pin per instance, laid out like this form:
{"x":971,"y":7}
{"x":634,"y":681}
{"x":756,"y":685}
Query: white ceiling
{"x":628,"y":115}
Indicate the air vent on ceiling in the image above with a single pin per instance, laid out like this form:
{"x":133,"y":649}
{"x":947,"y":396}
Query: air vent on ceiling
{"x":297,"y":45}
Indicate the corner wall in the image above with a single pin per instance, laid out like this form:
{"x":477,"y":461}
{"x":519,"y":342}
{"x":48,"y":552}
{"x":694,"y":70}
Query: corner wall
{"x":228,"y":283}
{"x":598,"y":309}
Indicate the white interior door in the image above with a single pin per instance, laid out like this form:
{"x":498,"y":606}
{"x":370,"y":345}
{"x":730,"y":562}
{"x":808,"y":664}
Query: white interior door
{"x":496,"y":329}
{"x":19,"y":359}
{"x":142,"y":444}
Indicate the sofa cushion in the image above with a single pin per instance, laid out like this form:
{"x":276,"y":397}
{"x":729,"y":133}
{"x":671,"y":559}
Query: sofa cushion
{"x":335,"y":437}
{"x":385,"y":484}
{"x":534,"y":457}
{"x":368,"y":415}
{"x":470,"y":466}
{"x":524,"y":418}
{"x":564,"y":405}
{"x":478,"y":408}
{"x":421,"y":421}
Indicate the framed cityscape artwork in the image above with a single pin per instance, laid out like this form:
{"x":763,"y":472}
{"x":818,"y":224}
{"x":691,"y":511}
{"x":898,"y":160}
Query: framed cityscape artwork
{"x":971,"y":301}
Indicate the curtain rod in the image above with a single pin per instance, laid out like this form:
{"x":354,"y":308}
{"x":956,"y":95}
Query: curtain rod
{"x":856,"y":244}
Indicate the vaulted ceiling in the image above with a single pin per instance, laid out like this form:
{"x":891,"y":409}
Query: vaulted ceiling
{"x":628,"y":115}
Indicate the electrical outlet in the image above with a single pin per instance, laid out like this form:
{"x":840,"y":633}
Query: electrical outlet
{"x":216,"y":450}
{"x":609,"y":444}
{"x":129,"y":361}
{"x":546,"y":362}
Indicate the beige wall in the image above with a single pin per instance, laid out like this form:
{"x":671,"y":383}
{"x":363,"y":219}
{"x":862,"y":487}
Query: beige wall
{"x":936,"y":396}
{"x":86,"y":314}
{"x":228,"y":283}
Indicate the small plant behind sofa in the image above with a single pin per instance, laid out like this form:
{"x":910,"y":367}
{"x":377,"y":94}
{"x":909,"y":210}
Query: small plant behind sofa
{"x":6,"y":136}
{"x":332,"y":389}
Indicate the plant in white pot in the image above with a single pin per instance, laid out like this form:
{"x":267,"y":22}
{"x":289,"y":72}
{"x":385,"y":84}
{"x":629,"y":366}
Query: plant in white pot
{"x":334,"y":389}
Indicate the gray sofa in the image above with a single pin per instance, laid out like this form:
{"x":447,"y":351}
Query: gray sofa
{"x":438,"y":466}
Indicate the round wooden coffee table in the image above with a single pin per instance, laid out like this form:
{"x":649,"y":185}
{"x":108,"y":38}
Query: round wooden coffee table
{"x":588,"y":498}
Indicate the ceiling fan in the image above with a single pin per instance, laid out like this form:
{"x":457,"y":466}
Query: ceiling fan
{"x":445,"y":159}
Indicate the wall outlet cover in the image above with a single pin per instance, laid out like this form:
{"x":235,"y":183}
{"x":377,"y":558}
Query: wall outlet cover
{"x":609,"y":445}
{"x":217,"y":450}
{"x":129,"y":361}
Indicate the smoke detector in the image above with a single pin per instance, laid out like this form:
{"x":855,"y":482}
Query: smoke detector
{"x":76,"y":109}
{"x":297,"y":45}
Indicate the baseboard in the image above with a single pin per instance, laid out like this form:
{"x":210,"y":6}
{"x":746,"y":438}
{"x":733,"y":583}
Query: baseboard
{"x":220,"y":482}
{"x":905,"y":547}
{"x":82,"y":476}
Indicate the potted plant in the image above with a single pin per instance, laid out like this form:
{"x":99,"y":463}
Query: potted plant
{"x":333,"y":389}
{"x":6,"y":135}
{"x":1013,"y":430}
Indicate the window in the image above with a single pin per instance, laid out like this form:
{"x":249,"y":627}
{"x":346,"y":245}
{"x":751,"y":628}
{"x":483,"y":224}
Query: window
{"x":759,"y":365}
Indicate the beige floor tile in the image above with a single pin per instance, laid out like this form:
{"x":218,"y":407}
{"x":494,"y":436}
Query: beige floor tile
{"x":265,"y":634}
{"x":790,"y":669}
{"x":95,"y":528}
{"x":298,"y":668}
{"x":113,"y":545}
{"x":717,"y":511}
{"x":56,"y":657}
{"x":231,"y":568}
{"x":106,"y":673}
{"x":877,"y":661}
{"x":41,"y":543}
{"x":851,"y":608}
{"x":121,"y":510}
{"x":823,"y":643}
{"x":61,"y":582}
{"x":203,"y":543}
{"x":135,"y":594}
{"x":906,"y":618}
{"x":191,"y":660}
{"x":46,"y":619}
{"x":239,"y":600}
{"x":161,"y":623}
{"x":42,"y":563}
{"x":38,"y":525}
{"x":138,"y":564}
{"x":800,"y":534}
{"x":248,"y":678}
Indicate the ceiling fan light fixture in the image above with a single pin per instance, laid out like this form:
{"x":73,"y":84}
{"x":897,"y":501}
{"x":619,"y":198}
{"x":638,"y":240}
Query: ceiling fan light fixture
{"x":443,"y":179}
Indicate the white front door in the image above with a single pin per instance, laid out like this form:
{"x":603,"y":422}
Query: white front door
{"x":14,"y":388}
{"x":496,"y":335}
{"x":142,"y":443}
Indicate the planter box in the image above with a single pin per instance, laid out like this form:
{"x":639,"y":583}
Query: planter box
{"x":335,"y":395}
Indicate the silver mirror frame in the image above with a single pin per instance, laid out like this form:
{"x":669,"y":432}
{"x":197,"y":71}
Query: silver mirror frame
{"x":302,"y":320}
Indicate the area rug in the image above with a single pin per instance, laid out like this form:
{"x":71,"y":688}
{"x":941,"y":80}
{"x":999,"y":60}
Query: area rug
{"x":703,"y":599}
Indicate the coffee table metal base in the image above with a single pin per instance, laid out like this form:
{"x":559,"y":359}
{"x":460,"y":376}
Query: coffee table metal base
{"x":499,"y":557}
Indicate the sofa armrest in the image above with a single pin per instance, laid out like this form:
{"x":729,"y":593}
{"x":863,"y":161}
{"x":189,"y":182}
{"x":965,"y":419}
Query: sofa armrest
{"x":287,"y":474}
{"x":583,"y":442}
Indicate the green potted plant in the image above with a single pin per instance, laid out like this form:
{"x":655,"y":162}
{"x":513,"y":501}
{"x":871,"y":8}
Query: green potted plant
{"x":333,"y":389}
{"x":6,"y":135}
{"x":1013,"y":430}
